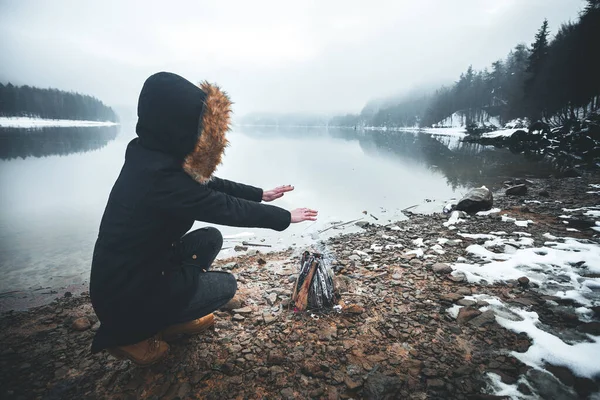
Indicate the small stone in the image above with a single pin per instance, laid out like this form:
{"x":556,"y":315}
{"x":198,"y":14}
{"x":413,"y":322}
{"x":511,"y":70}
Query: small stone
{"x":593,"y":328}
{"x":240,"y":248}
{"x":485,"y":318}
{"x":275,"y":357}
{"x":466,"y":303}
{"x":544,"y":193}
{"x":68,"y":294}
{"x":451,"y":297}
{"x":272,"y":298}
{"x":261,"y":261}
{"x":354,"y":309}
{"x":466,"y":314}
{"x":435,"y":383}
{"x":81,"y":324}
{"x":230,"y":265}
{"x":523,"y":281}
{"x":441,"y":268}
{"x":517,"y":190}
{"x":353,"y":383}
{"x":269,"y":319}
{"x":233,"y":304}
{"x":238,"y":317}
{"x":244,"y":310}
{"x":184,"y":389}
{"x":288,"y":394}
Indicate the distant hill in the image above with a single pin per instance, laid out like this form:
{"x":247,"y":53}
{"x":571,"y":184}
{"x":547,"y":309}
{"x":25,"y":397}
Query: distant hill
{"x":28,"y":101}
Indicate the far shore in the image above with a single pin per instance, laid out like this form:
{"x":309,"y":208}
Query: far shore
{"x":30,"y":122}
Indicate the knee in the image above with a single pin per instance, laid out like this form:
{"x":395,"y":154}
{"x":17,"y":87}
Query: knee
{"x":215,"y":237}
{"x":230,"y":286}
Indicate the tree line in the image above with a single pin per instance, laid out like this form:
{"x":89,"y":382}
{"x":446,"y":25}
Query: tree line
{"x":553,"y":80}
{"x":28,"y":101}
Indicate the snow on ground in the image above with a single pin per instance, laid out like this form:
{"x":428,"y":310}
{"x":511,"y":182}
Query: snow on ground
{"x":26,"y":122}
{"x":564,"y":267}
{"x":499,"y":133}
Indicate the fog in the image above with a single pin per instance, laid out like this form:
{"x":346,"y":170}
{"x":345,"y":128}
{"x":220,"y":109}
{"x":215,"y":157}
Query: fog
{"x":271,"y":56}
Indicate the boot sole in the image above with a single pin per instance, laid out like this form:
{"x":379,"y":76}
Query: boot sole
{"x":122,"y":355}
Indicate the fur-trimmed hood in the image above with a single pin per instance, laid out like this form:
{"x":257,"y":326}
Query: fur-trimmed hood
{"x":186,"y":121}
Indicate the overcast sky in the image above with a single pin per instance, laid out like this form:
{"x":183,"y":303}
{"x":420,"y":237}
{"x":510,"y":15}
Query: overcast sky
{"x":281,"y":56}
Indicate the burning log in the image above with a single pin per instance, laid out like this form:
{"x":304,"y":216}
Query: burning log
{"x":314,"y":286}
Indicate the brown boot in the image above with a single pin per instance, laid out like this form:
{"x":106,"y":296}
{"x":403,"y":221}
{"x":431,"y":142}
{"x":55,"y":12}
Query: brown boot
{"x":147,"y":352}
{"x":188,"y":328}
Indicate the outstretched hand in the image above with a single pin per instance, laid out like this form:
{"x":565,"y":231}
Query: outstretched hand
{"x":276,"y":193}
{"x":303,"y":214}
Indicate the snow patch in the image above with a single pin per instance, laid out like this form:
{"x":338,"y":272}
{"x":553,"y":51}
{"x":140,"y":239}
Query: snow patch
{"x":27,"y":122}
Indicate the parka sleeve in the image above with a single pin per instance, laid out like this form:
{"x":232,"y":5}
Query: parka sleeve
{"x":235,"y":189}
{"x":177,"y":194}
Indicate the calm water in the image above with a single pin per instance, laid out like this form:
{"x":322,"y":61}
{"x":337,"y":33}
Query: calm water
{"x":54,"y":185}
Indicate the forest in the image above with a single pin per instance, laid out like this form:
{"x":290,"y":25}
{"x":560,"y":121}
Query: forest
{"x":28,"y":101}
{"x":554,"y":80}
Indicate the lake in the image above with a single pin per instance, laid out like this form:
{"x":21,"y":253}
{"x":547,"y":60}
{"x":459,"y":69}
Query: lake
{"x":55,"y":183}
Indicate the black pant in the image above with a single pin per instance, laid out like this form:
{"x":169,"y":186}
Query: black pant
{"x":195,"y":252}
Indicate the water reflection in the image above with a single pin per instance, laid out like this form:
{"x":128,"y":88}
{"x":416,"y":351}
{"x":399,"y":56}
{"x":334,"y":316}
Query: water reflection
{"x":463,"y":164}
{"x":23,"y":143}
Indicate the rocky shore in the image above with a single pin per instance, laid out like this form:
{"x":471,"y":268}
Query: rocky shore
{"x":431,"y":308}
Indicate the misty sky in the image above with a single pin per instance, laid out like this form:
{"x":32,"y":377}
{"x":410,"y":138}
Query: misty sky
{"x":309,"y":56}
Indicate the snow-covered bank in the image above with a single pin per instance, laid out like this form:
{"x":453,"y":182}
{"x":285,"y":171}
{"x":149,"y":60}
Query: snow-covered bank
{"x":27,"y":122}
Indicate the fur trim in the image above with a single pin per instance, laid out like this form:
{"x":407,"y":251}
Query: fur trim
{"x":202,"y":162}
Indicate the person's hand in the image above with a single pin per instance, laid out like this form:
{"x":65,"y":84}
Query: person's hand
{"x":303,"y":214}
{"x":276,"y":193}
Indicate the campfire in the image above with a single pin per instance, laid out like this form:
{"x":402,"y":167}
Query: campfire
{"x":314,"y":288}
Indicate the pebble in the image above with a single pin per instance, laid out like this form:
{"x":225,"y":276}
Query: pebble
{"x":81,"y":324}
{"x":441,"y":268}
{"x":244,"y":310}
{"x":238,"y":317}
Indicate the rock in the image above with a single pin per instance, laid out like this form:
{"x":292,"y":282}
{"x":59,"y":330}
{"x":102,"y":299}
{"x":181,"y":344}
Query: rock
{"x":466,"y":303}
{"x":240,"y":248}
{"x":544,"y":193}
{"x":81,"y":324}
{"x":571,"y":173}
{"x":548,"y":387}
{"x":451,"y":297}
{"x":244,"y":310}
{"x":68,"y":294}
{"x":441,"y":268}
{"x":275,"y":357}
{"x":269,"y":319}
{"x":592,"y":328}
{"x":479,"y":199}
{"x":261,"y":261}
{"x":517,"y":190}
{"x":435,"y":383}
{"x":379,"y":386}
{"x":523,"y":281}
{"x":232,"y":304}
{"x":230,"y":266}
{"x":466,"y":314}
{"x":362,"y":224}
{"x":238,"y":317}
{"x":354,"y":309}
{"x":272,"y":298}
{"x":353,"y":383}
{"x":457,"y":276}
{"x":485,"y":318}
{"x":184,"y":389}
{"x":288,"y":393}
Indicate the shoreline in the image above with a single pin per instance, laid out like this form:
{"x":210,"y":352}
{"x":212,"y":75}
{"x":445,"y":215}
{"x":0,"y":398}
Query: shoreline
{"x":33,"y":123}
{"x":409,"y":327}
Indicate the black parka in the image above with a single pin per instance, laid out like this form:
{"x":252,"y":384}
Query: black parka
{"x":134,"y":284}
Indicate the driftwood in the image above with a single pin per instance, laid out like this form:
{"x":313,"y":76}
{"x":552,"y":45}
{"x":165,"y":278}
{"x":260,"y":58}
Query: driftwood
{"x":305,"y":277}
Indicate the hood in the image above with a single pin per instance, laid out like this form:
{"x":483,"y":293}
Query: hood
{"x":187,"y":121}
